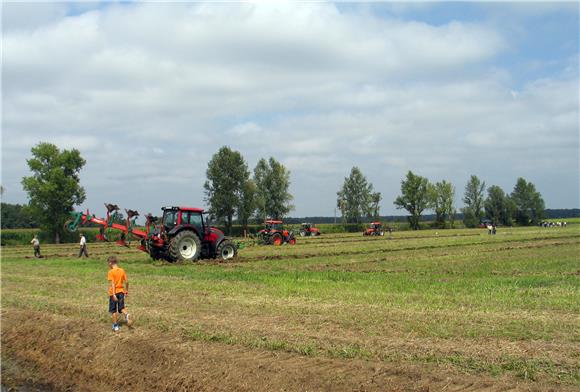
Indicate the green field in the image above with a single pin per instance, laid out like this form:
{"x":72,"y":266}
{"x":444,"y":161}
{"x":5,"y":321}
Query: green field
{"x":504,"y":308}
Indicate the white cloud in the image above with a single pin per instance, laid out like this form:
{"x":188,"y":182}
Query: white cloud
{"x":160,"y":87}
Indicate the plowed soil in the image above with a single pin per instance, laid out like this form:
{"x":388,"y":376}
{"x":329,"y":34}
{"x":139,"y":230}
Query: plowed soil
{"x":71,"y":354}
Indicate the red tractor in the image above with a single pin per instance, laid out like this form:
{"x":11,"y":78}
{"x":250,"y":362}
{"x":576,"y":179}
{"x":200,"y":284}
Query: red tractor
{"x":183,"y":234}
{"x":308,"y":229}
{"x":274,"y":233}
{"x":375,"y":228}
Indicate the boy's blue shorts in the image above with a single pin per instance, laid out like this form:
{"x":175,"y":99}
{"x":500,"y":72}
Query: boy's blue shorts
{"x":116,"y":307}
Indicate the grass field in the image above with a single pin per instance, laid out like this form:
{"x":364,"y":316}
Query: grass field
{"x":454,"y":309}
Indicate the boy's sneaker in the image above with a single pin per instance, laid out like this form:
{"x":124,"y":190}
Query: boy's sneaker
{"x":116,"y":327}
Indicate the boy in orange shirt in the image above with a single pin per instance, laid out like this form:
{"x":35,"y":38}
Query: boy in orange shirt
{"x":118,"y":290}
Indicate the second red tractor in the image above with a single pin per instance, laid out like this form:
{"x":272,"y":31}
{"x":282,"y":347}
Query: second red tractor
{"x":274,"y":233}
{"x":375,"y":228}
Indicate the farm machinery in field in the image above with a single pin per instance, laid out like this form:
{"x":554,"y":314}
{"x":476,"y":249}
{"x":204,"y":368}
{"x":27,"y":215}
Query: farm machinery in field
{"x":375,"y":228}
{"x":274,"y":233}
{"x":182,"y":233}
{"x":309,"y":230}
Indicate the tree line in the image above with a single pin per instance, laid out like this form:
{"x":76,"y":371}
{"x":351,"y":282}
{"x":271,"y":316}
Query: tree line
{"x":524,"y":205}
{"x":232,"y":191}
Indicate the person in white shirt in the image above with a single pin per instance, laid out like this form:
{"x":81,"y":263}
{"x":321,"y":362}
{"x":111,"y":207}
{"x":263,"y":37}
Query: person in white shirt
{"x":36,"y":245}
{"x":83,"y":245}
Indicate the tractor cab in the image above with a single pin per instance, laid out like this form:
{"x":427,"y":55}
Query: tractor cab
{"x":179,"y":216}
{"x":273,"y":225}
{"x":375,"y":228}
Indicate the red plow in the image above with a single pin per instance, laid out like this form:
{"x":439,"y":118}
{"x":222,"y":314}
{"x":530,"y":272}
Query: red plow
{"x":110,"y":222}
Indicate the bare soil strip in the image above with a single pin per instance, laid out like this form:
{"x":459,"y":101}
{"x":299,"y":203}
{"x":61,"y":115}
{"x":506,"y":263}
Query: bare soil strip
{"x":72,"y":354}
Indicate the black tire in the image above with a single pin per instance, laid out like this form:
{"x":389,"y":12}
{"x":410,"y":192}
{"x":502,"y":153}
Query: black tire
{"x":226,"y":250}
{"x":276,"y":238}
{"x":185,"y":246}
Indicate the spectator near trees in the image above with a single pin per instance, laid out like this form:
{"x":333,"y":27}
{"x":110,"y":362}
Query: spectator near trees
{"x":473,"y":199}
{"x":527,"y":203}
{"x":54,"y":187}
{"x":227,"y":175}
{"x":356,"y":199}
{"x":273,"y":198}
{"x":416,"y":196}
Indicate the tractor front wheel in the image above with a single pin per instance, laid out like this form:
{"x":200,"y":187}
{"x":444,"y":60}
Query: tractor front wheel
{"x":226,"y":250}
{"x":276,"y":239}
{"x":185,"y":246}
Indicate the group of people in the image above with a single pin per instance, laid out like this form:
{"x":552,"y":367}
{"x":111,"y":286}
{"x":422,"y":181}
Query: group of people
{"x":553,"y":224}
{"x":118,"y":283}
{"x":82,"y":243}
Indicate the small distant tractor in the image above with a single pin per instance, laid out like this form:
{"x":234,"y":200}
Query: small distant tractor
{"x":375,"y":228}
{"x":274,"y":233}
{"x":183,"y":233}
{"x":308,"y":229}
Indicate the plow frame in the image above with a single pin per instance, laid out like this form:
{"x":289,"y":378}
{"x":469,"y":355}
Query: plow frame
{"x":127,"y":229}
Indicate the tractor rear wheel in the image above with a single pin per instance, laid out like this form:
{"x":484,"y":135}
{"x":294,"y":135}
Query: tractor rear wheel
{"x":226,"y":250}
{"x":276,"y":239}
{"x":185,"y":246}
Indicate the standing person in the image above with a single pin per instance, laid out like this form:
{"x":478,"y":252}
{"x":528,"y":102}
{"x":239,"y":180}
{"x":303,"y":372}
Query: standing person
{"x":83,"y":246}
{"x":36,"y":245}
{"x":118,"y":290}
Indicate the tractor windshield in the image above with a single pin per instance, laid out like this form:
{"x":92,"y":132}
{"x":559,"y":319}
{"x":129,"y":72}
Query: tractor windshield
{"x":274,"y":226}
{"x":192,"y":218}
{"x":170,"y":219}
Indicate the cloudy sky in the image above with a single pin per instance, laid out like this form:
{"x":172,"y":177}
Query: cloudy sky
{"x":148,"y":92}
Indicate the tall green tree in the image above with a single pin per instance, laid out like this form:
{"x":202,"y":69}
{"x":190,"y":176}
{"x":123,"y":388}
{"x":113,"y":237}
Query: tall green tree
{"x":498,"y":206}
{"x":248,"y":202}
{"x":416,"y":197}
{"x":473,"y":199}
{"x":355,"y":198}
{"x":375,"y":205}
{"x":273,"y":197}
{"x":227,"y":173}
{"x":54,"y":187}
{"x":443,"y":195}
{"x":528,"y":203}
